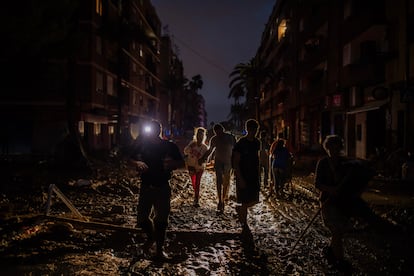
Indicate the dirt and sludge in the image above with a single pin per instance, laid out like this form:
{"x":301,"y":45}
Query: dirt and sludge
{"x":200,"y":241}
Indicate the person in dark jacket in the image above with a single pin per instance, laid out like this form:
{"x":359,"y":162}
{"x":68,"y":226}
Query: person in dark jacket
{"x":155,"y":159}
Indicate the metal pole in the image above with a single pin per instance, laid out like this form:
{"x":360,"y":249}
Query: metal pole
{"x":304,"y":230}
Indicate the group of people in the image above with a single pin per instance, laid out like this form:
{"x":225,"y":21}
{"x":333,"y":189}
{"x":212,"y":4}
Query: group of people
{"x":155,"y":158}
{"x":339,"y":179}
{"x":198,"y":153}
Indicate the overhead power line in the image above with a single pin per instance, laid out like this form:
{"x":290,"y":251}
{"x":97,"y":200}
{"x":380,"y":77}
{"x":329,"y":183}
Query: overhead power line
{"x":206,"y":59}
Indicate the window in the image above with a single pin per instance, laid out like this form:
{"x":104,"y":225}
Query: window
{"x":97,"y":128}
{"x":111,"y":130}
{"x":99,"y":82}
{"x":98,"y":7}
{"x":281,"y":29}
{"x":141,"y":52}
{"x":110,"y":85}
{"x":98,"y":45}
{"x":346,"y":55}
{"x":81,"y":128}
{"x":134,"y":67}
{"x":359,"y":132}
{"x":347,"y":9}
{"x":302,"y":24}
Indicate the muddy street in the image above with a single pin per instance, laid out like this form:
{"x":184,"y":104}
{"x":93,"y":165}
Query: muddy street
{"x":200,"y":241}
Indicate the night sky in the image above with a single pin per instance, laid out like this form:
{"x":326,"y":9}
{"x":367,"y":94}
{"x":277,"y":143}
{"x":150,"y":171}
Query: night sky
{"x":212,"y":37}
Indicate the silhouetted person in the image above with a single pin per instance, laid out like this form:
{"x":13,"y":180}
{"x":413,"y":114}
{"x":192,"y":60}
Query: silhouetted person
{"x":341,"y":182}
{"x":221,"y":145}
{"x":247,"y":171}
{"x":281,"y":160}
{"x":264,"y":157}
{"x":155,"y":159}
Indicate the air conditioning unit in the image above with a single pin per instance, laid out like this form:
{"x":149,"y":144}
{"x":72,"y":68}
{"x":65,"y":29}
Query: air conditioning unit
{"x":355,"y":96}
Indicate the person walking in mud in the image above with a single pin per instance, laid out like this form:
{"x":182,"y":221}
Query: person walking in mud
{"x":264,"y":157}
{"x":247,"y":171}
{"x":281,"y":160}
{"x":221,"y":146}
{"x":194,"y":151}
{"x":155,"y":159}
{"x":341,"y":181}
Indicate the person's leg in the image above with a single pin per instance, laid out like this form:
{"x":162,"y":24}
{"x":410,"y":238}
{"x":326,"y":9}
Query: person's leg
{"x":282,"y":181}
{"x":226,"y":183}
{"x":242,"y":214}
{"x":336,"y":221}
{"x":337,"y":245}
{"x":162,"y":209}
{"x":219,"y":183}
{"x":266,"y":175}
{"x":144,"y":208}
{"x":277,"y":181}
{"x":193,"y":177}
{"x":199,"y":174}
{"x":273,"y":184}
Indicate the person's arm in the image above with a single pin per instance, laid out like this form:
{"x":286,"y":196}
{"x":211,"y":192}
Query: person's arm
{"x":187,"y":148}
{"x":209,"y":152}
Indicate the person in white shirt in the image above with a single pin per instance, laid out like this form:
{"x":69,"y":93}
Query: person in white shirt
{"x":194,"y":151}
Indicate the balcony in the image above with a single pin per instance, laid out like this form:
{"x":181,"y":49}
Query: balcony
{"x":362,"y":74}
{"x":363,"y":19}
{"x":314,"y":56}
{"x":315,"y":17}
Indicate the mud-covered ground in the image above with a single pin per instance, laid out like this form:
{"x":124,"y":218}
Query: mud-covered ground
{"x":200,"y":241}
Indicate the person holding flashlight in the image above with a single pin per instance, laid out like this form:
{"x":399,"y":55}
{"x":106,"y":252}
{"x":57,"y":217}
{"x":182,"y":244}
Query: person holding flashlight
{"x":155,"y":159}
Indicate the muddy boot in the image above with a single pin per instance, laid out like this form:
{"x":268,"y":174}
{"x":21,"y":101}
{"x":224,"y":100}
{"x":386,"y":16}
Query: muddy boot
{"x":161,"y":256}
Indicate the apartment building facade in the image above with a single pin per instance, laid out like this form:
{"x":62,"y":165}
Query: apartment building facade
{"x":343,"y":67}
{"x":103,"y":80}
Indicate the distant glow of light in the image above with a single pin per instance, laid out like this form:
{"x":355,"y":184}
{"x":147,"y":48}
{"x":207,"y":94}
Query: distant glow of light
{"x":281,"y":29}
{"x":97,"y":128}
{"x":147,"y":129}
{"x":81,"y":127}
{"x":111,"y":129}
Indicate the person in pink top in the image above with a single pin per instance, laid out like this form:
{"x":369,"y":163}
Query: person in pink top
{"x":194,"y":151}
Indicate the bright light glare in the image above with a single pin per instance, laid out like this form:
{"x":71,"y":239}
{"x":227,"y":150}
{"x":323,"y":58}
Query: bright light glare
{"x":147,"y":129}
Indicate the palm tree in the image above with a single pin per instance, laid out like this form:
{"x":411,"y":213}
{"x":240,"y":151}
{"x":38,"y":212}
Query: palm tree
{"x":237,"y":115}
{"x":247,"y":79}
{"x":196,"y":83}
{"x":192,"y":101}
